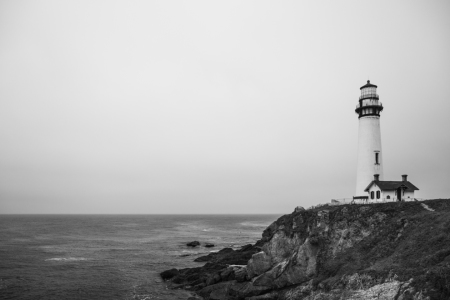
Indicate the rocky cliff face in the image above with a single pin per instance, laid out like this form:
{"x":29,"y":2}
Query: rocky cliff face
{"x":377,"y":251}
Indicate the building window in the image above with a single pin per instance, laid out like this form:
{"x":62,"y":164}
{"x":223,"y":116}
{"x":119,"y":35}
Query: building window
{"x":372,"y":195}
{"x":378,"y":194}
{"x":376,"y":158}
{"x":388,"y":197}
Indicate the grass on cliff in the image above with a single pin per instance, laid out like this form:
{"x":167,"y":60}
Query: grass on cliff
{"x":412,"y":242}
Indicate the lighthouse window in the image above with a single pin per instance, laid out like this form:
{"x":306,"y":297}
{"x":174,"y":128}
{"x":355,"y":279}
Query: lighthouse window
{"x":376,"y":158}
{"x":372,"y":195}
{"x":378,"y":194}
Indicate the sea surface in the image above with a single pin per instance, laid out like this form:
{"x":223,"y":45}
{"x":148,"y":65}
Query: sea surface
{"x":110,"y":256}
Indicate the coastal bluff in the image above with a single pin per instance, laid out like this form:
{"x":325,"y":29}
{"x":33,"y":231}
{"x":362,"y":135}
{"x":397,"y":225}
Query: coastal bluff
{"x":395,"y":250}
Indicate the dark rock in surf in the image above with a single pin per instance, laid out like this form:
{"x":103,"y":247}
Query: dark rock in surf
{"x":209,"y":245}
{"x":246,"y":247}
{"x":220,"y":268}
{"x":193,"y":244}
{"x":169,"y":274}
{"x":230,"y":256}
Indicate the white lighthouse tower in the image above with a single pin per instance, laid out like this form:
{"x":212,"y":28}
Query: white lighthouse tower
{"x":370,"y":156}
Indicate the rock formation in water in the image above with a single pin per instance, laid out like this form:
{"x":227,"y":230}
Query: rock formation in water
{"x":193,"y":244}
{"x":398,"y":251}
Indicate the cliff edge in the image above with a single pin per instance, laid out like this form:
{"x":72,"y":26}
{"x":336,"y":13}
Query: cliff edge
{"x":398,"y":250}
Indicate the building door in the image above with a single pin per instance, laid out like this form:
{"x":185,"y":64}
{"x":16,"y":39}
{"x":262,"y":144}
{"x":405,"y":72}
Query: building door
{"x":399,"y":194}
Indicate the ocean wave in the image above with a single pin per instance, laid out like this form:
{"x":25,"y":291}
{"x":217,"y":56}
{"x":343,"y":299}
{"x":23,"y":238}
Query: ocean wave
{"x":126,"y":225}
{"x":193,"y":226}
{"x":190,"y":252}
{"x":184,"y":253}
{"x":66,"y":259}
{"x":253,"y":224}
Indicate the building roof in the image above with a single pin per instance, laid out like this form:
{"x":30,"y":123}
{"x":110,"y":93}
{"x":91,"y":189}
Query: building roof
{"x":367,"y":85}
{"x":392,"y":185}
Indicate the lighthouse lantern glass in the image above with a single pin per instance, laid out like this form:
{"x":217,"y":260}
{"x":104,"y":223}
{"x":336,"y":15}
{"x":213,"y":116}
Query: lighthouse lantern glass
{"x":369,"y":91}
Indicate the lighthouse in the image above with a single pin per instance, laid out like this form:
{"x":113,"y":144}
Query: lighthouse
{"x":370,"y":155}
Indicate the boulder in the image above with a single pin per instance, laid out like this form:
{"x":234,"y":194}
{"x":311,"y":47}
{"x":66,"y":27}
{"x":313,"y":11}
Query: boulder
{"x":246,"y":248}
{"x":240,"y":274}
{"x":258,"y":264}
{"x":299,"y":209}
{"x":214,"y":278}
{"x":247,"y":289}
{"x":168,"y":274}
{"x":179,"y":279}
{"x":281,"y":246}
{"x":220,"y":288}
{"x":203,"y":258}
{"x":268,"y":296}
{"x":209,"y":245}
{"x":270,"y":276}
{"x":299,"y":268}
{"x":195,"y":298}
{"x":221,"y":294}
{"x":227,"y":274}
{"x":228,"y":256}
{"x":193,"y":244}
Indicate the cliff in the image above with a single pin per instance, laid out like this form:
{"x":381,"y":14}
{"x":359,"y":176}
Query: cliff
{"x":377,"y":251}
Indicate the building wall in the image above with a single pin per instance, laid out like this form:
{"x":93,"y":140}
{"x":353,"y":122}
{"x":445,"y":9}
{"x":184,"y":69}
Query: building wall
{"x":391,"y":194}
{"x":374,"y":188}
{"x":408,"y":195}
{"x":383,"y":195}
{"x":369,"y":141}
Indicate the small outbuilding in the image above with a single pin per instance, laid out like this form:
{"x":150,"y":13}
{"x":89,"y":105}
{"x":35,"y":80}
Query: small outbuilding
{"x":390,"y":190}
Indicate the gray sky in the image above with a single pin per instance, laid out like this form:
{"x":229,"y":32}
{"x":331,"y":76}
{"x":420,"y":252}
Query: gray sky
{"x":215,"y":107}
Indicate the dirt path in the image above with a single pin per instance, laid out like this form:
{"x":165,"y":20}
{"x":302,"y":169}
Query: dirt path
{"x":426,"y":207}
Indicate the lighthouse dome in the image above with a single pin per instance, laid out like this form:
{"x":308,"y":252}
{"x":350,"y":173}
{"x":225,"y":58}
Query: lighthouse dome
{"x":368,"y":84}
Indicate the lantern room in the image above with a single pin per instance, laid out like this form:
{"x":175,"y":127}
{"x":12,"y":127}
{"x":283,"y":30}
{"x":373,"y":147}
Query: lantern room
{"x":369,"y":104}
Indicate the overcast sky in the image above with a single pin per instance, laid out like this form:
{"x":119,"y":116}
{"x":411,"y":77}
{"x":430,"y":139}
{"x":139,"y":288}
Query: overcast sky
{"x":215,"y":106}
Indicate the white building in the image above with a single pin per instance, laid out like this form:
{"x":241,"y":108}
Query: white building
{"x":370,"y":158}
{"x":390,"y":190}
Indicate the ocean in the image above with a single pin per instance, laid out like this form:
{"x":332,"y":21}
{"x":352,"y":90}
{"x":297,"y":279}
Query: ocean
{"x":110,"y":256}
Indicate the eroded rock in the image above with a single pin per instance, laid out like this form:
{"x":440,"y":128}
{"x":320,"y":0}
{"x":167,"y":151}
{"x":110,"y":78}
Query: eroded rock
{"x":258,"y":264}
{"x":169,"y":274}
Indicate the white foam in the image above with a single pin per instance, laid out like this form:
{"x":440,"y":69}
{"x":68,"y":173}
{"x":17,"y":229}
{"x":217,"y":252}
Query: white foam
{"x":253,"y":224}
{"x":190,"y":252}
{"x":66,"y":259}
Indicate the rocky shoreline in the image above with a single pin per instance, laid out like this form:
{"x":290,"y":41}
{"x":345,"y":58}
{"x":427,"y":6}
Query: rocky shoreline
{"x":225,"y":265}
{"x":397,"y":251}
